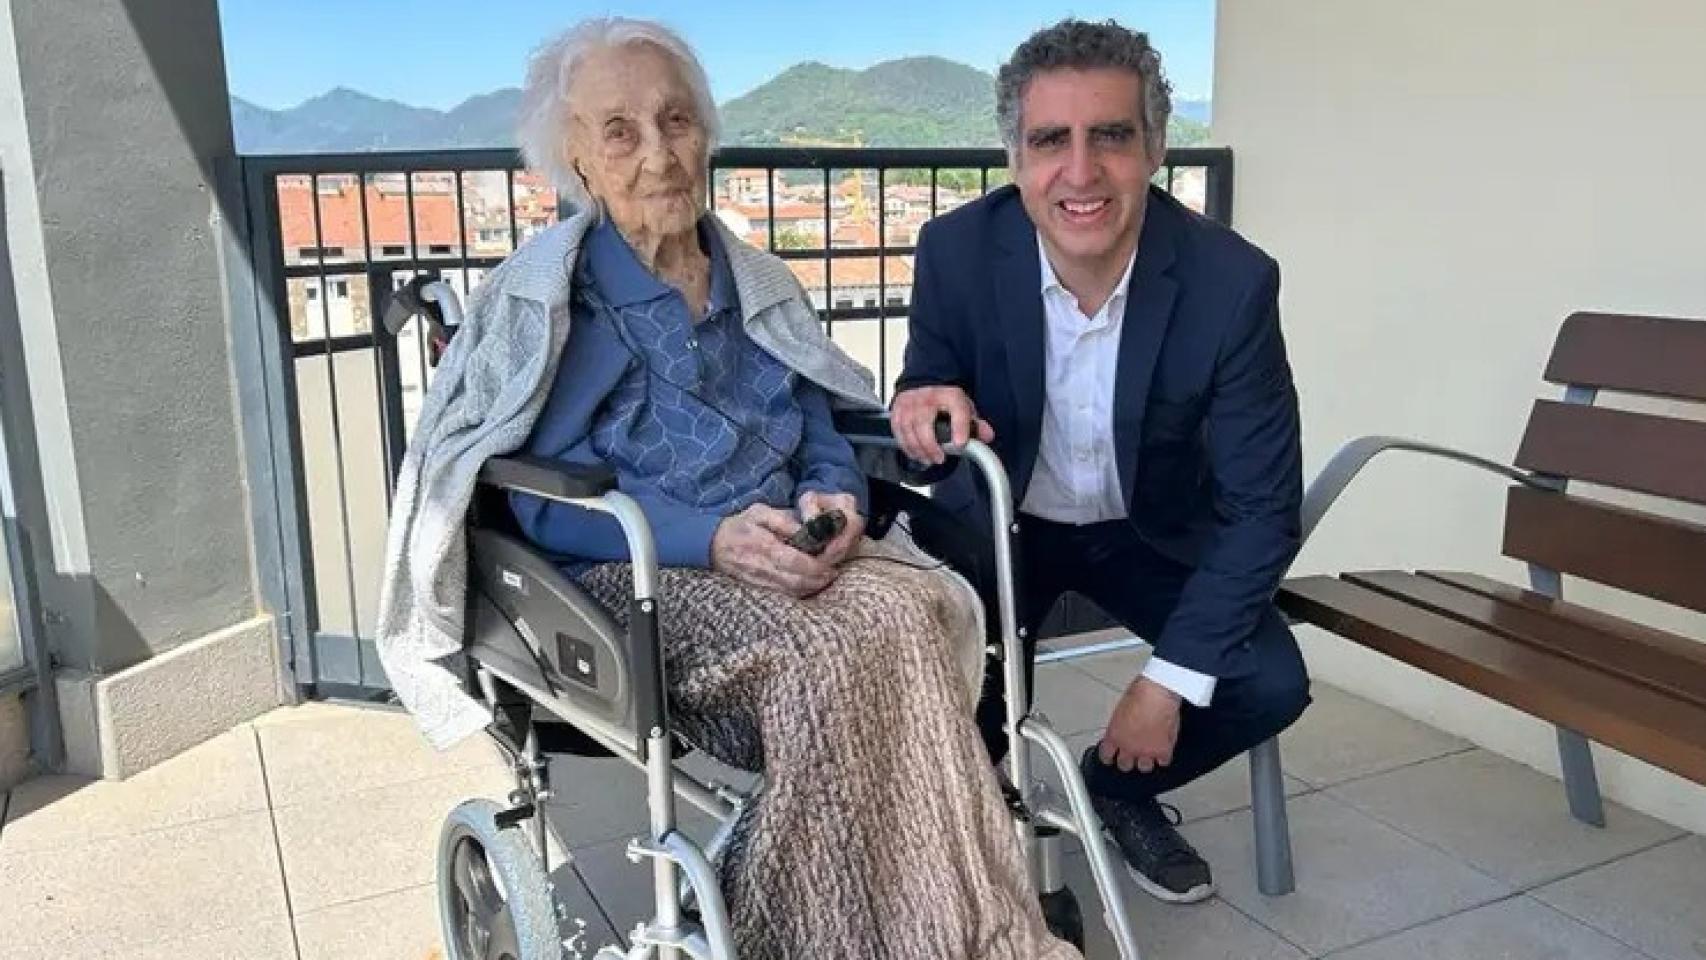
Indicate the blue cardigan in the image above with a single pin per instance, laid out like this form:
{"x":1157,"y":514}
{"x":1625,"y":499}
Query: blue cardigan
{"x":697,"y":421}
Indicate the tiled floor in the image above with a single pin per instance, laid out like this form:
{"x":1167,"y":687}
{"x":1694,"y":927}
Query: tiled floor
{"x":310,"y":835}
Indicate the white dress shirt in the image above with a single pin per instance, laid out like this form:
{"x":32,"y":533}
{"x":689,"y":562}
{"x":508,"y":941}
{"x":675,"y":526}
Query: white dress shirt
{"x":1076,"y":479}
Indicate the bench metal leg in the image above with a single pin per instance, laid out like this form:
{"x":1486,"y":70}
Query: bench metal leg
{"x":1274,"y":875}
{"x":1581,"y":784}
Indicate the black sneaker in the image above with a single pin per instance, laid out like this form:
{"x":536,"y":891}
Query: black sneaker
{"x":1161,"y":861}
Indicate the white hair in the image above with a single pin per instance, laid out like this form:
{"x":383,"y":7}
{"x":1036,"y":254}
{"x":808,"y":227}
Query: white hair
{"x":542,"y":124}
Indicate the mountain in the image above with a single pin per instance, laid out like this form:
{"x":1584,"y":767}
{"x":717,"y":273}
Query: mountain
{"x":915,"y":102}
{"x":348,"y":120}
{"x":911,"y":102}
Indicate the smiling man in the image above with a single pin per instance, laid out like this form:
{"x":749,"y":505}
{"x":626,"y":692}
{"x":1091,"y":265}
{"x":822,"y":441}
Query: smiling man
{"x":1123,"y":355}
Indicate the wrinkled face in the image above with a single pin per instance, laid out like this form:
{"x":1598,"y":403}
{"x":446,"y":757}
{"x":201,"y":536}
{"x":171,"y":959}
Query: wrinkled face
{"x":1081,"y":164}
{"x":636,"y":137}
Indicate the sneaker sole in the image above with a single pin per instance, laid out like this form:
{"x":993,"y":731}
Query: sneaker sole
{"x":1196,"y":894}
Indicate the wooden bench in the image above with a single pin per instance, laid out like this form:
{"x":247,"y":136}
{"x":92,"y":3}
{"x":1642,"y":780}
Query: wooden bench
{"x":1595,"y":676}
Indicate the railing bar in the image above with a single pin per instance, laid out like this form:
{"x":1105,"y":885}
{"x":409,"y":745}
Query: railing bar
{"x":843,"y":253}
{"x":933,"y":209}
{"x":307,"y":270}
{"x":882,"y":288}
{"x":395,"y":161}
{"x":1170,"y":169}
{"x":509,"y":202}
{"x":462,"y":232}
{"x":770,"y":206}
{"x":343,"y":344}
{"x":828,"y":243}
{"x":409,"y":204}
{"x":373,"y":327}
{"x":983,"y":181}
{"x":337,"y":421}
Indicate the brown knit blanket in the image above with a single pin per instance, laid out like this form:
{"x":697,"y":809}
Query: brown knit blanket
{"x":880,"y":832}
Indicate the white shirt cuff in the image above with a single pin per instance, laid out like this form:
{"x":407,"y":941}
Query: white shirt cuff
{"x":1196,"y":688}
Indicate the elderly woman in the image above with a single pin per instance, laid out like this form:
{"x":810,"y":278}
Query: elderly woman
{"x":881,"y":831}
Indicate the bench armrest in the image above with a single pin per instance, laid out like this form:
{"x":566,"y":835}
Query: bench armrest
{"x":551,"y":479}
{"x":1324,"y":490}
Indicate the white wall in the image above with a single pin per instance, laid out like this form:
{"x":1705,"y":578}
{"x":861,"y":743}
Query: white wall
{"x":1442,"y":183}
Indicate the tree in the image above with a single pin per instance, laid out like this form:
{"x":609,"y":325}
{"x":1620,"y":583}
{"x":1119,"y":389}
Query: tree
{"x":793,"y":238}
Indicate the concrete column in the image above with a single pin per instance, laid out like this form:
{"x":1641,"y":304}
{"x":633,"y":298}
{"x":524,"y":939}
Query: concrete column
{"x":112,"y":115}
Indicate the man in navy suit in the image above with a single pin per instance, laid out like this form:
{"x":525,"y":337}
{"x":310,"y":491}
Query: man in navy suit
{"x":1123,"y":356}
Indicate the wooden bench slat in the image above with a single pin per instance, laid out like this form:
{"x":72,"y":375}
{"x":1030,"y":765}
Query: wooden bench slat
{"x":1643,"y":553}
{"x":1659,"y":356}
{"x":1664,"y":456}
{"x":1617,"y":653}
{"x":1674,"y":645}
{"x":1660,"y":729}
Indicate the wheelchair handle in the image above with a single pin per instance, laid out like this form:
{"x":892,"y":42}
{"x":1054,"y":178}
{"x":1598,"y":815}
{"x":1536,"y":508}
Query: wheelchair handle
{"x":435,"y":302}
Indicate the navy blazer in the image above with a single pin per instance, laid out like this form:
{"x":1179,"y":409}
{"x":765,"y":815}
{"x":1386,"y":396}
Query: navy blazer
{"x":1205,"y":413}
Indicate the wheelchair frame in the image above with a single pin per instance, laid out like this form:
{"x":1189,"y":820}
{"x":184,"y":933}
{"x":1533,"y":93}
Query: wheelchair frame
{"x":683,"y":878}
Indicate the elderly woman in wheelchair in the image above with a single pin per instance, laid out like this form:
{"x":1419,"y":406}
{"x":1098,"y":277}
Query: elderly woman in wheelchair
{"x":680,"y":550}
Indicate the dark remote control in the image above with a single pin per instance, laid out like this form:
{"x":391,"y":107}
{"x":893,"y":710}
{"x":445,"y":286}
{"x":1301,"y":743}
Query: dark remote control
{"x":815,"y":534}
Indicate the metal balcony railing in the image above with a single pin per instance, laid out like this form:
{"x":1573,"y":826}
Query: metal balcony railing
{"x":331,"y":235}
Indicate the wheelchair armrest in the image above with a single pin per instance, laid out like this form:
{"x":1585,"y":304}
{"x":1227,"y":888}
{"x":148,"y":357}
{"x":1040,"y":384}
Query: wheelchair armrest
{"x":551,"y":479}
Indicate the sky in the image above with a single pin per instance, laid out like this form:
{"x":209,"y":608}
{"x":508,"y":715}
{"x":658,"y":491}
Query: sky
{"x":437,"y":53}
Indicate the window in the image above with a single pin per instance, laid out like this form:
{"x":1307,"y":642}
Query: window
{"x":340,"y":289}
{"x":314,"y":253}
{"x":392,"y":251}
{"x":871,"y":300}
{"x":895,"y":300}
{"x":843,"y":303}
{"x":311,"y":293}
{"x":439,"y":250}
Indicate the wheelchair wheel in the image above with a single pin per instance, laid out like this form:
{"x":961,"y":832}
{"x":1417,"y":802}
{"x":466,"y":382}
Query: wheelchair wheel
{"x":1065,"y":920}
{"x":494,"y":900}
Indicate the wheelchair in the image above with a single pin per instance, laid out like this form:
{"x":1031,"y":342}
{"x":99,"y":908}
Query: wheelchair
{"x":560,"y":677}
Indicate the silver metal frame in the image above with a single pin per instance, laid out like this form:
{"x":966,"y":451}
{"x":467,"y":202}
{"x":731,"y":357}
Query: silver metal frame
{"x":1024,"y":725}
{"x":667,"y":935}
{"x":1575,"y":752}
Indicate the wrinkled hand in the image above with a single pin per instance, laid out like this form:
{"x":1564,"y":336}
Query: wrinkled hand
{"x":1143,"y":728}
{"x":752,"y":546}
{"x":913,"y":418}
{"x":813,"y":503}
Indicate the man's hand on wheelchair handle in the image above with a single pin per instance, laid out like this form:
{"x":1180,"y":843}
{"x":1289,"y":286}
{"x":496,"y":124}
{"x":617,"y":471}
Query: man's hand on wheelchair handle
{"x":814,"y":502}
{"x":1143,"y":729}
{"x":751,"y":546}
{"x":913,"y":418}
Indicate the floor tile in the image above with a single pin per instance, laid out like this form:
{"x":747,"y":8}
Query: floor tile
{"x":1515,"y":929}
{"x":401,"y":925}
{"x":1654,"y":901}
{"x":219,"y":778}
{"x":1211,"y":930}
{"x":1356,"y":878}
{"x":320,"y":750}
{"x":360,"y":845}
{"x":1500,"y":817}
{"x":1342,"y":737}
{"x":270,"y":940}
{"x":1072,"y":701}
{"x":99,"y":898}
